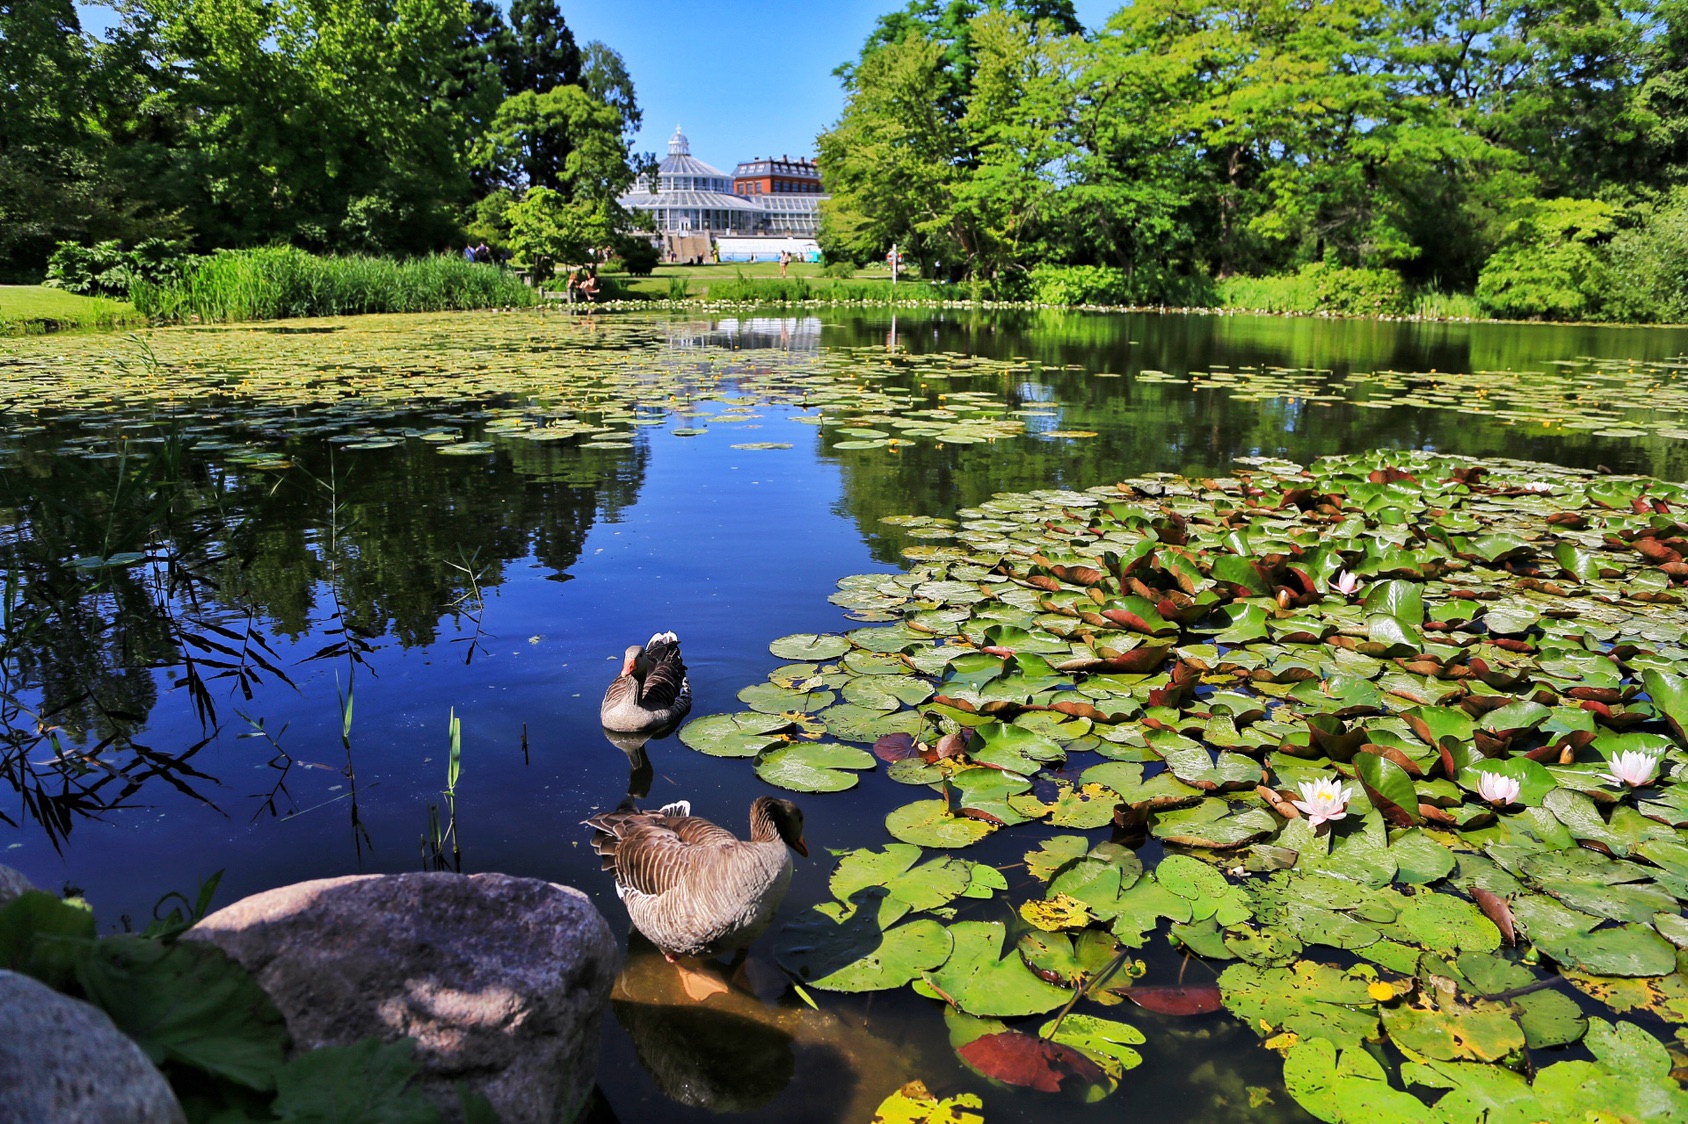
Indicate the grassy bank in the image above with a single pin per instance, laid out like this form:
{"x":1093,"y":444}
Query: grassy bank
{"x":274,"y":284}
{"x":740,"y":282}
{"x":32,"y":309}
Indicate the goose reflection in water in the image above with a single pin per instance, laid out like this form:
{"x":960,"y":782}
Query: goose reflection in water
{"x":633,"y":745}
{"x":750,"y":1045}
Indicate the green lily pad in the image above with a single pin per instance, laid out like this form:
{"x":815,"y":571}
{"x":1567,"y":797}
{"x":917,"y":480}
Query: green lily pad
{"x":858,"y":954}
{"x":813,"y":766}
{"x":812,"y":647}
{"x":929,"y":823}
{"x":979,"y":980}
{"x":744,"y":734}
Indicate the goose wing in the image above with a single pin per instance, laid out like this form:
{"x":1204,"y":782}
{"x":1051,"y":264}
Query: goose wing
{"x":665,"y":682}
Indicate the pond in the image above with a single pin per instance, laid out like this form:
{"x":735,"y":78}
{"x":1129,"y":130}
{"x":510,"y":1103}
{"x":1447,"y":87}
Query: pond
{"x":253,"y":573}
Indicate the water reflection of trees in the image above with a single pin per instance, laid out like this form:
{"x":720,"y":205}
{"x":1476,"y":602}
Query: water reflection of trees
{"x":1168,"y":427}
{"x":147,"y":557}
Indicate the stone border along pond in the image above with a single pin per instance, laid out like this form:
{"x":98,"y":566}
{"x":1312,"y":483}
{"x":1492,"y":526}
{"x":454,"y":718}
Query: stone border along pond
{"x":1408,"y":729}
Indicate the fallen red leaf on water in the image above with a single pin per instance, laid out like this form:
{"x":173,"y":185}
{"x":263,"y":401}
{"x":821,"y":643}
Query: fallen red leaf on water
{"x":1016,"y":1058}
{"x":895,"y":747}
{"x":1494,"y":907}
{"x":1169,"y":999}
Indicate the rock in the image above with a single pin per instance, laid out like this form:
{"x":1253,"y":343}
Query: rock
{"x":502,"y":981}
{"x":62,"y":1061}
{"x":12,"y":883}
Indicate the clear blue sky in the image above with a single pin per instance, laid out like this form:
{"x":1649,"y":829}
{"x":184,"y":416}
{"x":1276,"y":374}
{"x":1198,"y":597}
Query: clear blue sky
{"x":744,"y":77}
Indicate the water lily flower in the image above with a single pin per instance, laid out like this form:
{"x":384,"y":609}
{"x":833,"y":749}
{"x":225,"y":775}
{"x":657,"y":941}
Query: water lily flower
{"x":1536,"y":486}
{"x":1634,"y":767}
{"x":1345,"y":583}
{"x":1496,"y":789}
{"x":1323,"y":799}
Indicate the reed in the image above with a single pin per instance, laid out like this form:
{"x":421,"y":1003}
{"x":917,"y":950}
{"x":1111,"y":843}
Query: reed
{"x":281,"y":282}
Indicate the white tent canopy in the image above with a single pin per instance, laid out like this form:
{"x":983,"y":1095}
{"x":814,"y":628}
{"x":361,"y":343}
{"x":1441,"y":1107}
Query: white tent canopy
{"x":767,"y":248}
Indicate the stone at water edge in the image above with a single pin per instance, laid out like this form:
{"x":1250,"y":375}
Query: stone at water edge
{"x":63,"y":1061}
{"x":502,"y":981}
{"x":12,"y":883}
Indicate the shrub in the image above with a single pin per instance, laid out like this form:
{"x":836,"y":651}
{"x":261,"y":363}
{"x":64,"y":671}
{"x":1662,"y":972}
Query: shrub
{"x":1080,"y":284}
{"x":1549,"y":266}
{"x":843,"y":270}
{"x":1649,"y":265}
{"x":107,"y":269}
{"x":639,"y":256}
{"x":1320,"y":287}
{"x":677,"y":290}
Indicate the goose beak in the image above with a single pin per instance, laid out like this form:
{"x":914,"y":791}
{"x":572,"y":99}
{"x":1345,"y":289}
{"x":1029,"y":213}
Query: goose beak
{"x":801,"y":847}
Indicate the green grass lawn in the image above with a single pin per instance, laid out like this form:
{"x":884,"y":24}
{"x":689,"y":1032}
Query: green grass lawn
{"x":698,"y":278}
{"x":36,"y":308}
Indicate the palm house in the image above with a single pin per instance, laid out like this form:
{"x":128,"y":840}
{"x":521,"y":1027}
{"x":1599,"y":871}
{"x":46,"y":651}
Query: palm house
{"x":691,"y":197}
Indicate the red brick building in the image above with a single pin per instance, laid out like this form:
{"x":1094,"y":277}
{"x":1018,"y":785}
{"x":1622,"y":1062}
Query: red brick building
{"x":784,"y":176}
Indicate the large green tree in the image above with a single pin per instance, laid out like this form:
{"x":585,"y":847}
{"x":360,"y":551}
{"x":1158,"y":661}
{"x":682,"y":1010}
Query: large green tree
{"x":53,"y":179}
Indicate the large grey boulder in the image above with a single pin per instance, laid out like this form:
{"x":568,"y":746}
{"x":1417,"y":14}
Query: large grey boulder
{"x":62,"y":1061}
{"x":502,"y":981}
{"x":12,"y":883}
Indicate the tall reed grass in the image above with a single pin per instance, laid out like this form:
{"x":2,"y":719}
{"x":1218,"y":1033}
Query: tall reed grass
{"x":281,"y":282}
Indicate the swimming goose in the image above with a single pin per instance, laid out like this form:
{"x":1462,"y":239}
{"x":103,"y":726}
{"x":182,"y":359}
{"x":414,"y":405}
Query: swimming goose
{"x":694,"y":888}
{"x":651,"y":694}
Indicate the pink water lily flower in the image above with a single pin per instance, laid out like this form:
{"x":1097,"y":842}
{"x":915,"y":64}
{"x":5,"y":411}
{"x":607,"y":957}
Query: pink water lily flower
{"x":1323,"y":799}
{"x":1496,"y":789}
{"x":1634,"y":767}
{"x":1345,"y":583}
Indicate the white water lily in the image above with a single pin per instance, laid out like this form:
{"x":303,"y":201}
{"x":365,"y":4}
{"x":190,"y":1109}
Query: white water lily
{"x":1345,"y":583}
{"x":1536,"y":486}
{"x":1323,"y":799}
{"x":1634,"y":767}
{"x":1496,"y":789}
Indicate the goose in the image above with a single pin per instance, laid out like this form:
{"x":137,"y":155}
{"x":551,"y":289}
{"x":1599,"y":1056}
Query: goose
{"x":695,"y":889}
{"x":651,"y":694}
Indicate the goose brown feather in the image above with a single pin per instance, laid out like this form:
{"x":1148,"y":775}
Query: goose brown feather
{"x":652,"y":693}
{"x":692,"y":887}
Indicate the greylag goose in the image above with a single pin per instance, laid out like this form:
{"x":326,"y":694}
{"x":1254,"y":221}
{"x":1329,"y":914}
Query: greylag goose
{"x":651,"y":694}
{"x":695,"y":889}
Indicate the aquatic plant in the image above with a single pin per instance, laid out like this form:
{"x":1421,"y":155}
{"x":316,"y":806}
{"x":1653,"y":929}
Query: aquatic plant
{"x":277,"y":283}
{"x":1168,"y":659}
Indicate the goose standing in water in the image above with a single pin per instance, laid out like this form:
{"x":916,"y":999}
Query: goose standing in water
{"x":695,"y":889}
{"x":652,"y":694}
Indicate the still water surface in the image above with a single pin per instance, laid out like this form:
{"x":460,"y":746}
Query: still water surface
{"x":502,"y":585}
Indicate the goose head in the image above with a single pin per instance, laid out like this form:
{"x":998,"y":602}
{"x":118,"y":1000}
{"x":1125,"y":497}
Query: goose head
{"x":771,"y":819}
{"x":634,"y":662}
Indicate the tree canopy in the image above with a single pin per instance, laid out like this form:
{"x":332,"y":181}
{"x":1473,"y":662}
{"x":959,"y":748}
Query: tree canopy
{"x":1204,"y":138}
{"x":377,"y":126}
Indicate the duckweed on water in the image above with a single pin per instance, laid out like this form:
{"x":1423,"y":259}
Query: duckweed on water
{"x":1182,"y":661}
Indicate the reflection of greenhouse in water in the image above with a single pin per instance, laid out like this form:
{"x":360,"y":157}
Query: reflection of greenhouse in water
{"x":786,"y":333}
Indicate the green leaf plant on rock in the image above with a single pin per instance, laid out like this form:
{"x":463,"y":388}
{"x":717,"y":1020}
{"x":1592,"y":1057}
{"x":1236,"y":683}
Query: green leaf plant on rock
{"x":1395,"y":743}
{"x":207,"y":1024}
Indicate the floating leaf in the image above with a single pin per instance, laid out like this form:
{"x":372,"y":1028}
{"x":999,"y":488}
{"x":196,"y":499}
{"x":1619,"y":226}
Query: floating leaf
{"x":929,"y":823}
{"x":813,"y":766}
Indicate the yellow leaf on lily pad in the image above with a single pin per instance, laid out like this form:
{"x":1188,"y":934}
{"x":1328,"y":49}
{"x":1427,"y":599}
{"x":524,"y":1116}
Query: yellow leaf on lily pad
{"x":1057,"y":913}
{"x":915,"y":1104}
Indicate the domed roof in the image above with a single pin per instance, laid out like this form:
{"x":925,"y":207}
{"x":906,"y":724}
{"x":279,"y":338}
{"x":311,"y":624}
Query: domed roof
{"x":678,"y":145}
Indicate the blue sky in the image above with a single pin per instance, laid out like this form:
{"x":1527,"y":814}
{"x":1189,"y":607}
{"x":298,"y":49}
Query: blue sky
{"x":744,"y":77}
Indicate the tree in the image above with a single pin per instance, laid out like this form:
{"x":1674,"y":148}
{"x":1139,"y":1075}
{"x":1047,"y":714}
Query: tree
{"x":326,"y":123}
{"x":52,"y":150}
{"x":563,"y":139}
{"x":891,"y":161}
{"x":604,"y":75}
{"x":540,"y":53}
